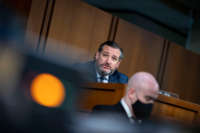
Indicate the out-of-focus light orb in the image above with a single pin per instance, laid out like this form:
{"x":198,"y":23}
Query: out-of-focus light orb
{"x":47,"y":90}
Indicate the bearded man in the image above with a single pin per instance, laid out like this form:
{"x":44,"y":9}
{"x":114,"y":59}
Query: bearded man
{"x":105,"y":64}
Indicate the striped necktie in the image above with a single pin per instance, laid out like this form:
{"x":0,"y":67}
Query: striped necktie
{"x":103,"y":79}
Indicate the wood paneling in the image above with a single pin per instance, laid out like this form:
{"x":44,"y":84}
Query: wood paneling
{"x":93,"y":94}
{"x":75,"y":29}
{"x":36,"y":22}
{"x":78,"y":25}
{"x":142,"y":49}
{"x":113,"y":28}
{"x":177,"y":110}
{"x":165,"y":108}
{"x":182,"y":72}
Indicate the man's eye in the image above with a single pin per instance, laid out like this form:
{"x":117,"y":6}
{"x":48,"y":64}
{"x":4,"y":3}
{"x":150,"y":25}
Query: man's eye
{"x":149,"y":98}
{"x":105,"y":55}
{"x":114,"y":58}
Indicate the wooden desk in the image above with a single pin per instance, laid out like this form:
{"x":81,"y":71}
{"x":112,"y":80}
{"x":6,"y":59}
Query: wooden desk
{"x":100,"y":94}
{"x":167,"y":108}
{"x":173,"y":109}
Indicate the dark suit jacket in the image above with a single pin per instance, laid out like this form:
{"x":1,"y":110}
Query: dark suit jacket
{"x":89,"y":69}
{"x":142,"y":113}
{"x":112,"y":110}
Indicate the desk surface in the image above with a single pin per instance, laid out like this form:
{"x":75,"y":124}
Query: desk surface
{"x":177,"y":110}
{"x":164,"y":107}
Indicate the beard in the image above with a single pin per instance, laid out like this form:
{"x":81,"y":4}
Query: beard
{"x":142,"y":111}
{"x":105,"y":73}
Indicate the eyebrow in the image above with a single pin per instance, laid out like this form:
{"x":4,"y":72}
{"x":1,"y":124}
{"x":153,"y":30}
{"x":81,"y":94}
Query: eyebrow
{"x":150,"y":97}
{"x":105,"y":52}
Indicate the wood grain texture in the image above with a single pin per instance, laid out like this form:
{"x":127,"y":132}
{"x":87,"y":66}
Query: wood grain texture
{"x":78,"y":25}
{"x":142,"y":49}
{"x":165,"y":108}
{"x":77,"y":29}
{"x":182,"y":72}
{"x":176,"y":110}
{"x":35,"y":23}
{"x":93,"y":94}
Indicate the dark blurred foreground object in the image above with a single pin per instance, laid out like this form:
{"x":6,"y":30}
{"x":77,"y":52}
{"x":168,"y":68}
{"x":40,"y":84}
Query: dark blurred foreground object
{"x":19,"y":111}
{"x":108,"y":124}
{"x":19,"y":67}
{"x":11,"y":26}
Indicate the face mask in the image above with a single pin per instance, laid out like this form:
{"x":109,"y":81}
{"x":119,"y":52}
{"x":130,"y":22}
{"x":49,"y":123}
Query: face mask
{"x":142,"y":111}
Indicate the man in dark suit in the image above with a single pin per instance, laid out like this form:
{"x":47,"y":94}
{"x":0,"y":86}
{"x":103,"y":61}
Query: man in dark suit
{"x":141,"y":91}
{"x":104,"y":66}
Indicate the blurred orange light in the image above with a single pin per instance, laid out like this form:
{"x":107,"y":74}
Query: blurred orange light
{"x":47,"y":90}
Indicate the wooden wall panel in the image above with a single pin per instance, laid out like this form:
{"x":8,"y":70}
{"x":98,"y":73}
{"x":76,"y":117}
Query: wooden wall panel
{"x":182,"y":72}
{"x":63,"y":24}
{"x":174,"y":113}
{"x":35,"y":22}
{"x":142,"y":49}
{"x":176,"y":110}
{"x":76,"y":24}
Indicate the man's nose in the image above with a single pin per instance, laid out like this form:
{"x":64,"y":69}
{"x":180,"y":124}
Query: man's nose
{"x":109,"y":60}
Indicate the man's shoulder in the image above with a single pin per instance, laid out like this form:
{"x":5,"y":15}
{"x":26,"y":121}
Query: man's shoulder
{"x":107,"y":108}
{"x":84,"y":66}
{"x":123,"y":75}
{"x":88,"y":63}
{"x":87,"y":68}
{"x":119,"y":77}
{"x":112,"y":111}
{"x":103,"y":108}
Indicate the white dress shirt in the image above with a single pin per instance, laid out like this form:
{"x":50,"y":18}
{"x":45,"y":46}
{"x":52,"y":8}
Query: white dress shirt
{"x":127,"y":110}
{"x":105,"y":78}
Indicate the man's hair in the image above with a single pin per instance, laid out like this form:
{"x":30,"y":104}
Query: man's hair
{"x":113,"y":45}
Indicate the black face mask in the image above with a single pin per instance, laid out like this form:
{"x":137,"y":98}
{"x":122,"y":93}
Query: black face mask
{"x":142,"y":111}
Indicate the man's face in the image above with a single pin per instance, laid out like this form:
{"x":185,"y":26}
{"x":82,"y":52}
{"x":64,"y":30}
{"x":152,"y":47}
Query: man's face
{"x":107,"y":61}
{"x":147,"y":96}
{"x":143,"y":106}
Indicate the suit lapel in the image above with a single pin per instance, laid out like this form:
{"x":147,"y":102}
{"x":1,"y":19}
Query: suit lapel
{"x":121,"y":110}
{"x":113,"y":78}
{"x":93,"y":71}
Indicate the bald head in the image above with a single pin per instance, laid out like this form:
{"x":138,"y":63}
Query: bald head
{"x":143,"y":80}
{"x":144,"y":87}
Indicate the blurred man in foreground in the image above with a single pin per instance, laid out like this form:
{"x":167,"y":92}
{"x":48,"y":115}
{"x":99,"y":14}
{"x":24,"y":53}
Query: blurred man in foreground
{"x":141,"y":91}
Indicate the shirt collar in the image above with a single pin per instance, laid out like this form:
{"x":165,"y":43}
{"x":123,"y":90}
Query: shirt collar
{"x":126,"y":108}
{"x":98,"y":76}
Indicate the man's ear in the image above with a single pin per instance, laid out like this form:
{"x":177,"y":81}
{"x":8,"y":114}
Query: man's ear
{"x":132,"y":95}
{"x":118,"y":63}
{"x":96,"y":55}
{"x":131,"y":92}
